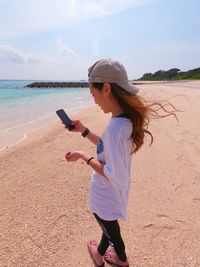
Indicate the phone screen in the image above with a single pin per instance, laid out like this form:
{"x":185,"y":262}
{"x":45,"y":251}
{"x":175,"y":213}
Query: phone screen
{"x":65,"y":119}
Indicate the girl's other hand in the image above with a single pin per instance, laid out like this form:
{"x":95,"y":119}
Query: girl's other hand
{"x":73,"y":156}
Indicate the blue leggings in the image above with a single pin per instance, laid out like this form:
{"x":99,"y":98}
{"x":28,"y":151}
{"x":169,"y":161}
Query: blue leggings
{"x":111,"y":235}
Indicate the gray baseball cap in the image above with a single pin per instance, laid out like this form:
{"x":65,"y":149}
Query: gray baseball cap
{"x":110,"y":71}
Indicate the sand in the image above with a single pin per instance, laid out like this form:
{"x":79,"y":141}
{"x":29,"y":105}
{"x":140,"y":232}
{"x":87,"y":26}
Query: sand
{"x":44,"y":215}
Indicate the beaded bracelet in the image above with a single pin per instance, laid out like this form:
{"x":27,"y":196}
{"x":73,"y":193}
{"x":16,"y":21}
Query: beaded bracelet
{"x":85,"y":132}
{"x":89,"y":160}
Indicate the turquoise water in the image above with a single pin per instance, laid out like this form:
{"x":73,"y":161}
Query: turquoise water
{"x":23,"y":110}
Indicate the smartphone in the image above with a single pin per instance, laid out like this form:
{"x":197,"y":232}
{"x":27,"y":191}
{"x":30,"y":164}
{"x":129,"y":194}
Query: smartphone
{"x":65,"y":119}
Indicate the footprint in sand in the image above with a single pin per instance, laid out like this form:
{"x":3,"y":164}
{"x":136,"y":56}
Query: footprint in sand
{"x":162,"y":215}
{"x":196,"y":199}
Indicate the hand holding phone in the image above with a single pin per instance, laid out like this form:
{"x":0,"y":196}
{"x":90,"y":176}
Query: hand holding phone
{"x":65,"y":119}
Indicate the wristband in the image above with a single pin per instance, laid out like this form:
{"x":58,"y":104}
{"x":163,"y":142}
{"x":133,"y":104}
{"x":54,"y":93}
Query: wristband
{"x":85,"y":132}
{"x":89,"y":160}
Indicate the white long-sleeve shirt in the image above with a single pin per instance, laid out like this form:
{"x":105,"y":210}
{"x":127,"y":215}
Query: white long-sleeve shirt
{"x":109,"y":195}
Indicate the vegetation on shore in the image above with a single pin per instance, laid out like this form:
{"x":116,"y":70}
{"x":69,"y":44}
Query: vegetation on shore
{"x":172,"y":74}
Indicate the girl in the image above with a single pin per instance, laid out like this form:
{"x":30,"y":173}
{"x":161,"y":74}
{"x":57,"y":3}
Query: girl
{"x":124,"y":135}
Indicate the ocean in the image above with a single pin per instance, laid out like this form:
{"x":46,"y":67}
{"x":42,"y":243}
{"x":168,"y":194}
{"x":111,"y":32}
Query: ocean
{"x":23,"y":110}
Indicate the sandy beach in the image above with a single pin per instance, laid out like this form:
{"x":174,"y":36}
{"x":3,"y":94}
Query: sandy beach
{"x":44,"y":215}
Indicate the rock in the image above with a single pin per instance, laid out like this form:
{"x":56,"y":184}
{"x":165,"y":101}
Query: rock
{"x":58,"y":85}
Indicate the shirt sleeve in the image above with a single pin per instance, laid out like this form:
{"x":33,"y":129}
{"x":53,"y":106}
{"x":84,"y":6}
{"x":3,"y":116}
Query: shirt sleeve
{"x":115,"y":157}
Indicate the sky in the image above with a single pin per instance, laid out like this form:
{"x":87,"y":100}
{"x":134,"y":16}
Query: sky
{"x":60,"y":39}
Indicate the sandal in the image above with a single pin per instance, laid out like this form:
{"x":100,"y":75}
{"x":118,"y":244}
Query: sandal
{"x":89,"y":245}
{"x":109,"y":258}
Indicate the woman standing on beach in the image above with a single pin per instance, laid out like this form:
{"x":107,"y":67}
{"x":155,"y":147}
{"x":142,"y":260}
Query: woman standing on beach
{"x":124,"y":135}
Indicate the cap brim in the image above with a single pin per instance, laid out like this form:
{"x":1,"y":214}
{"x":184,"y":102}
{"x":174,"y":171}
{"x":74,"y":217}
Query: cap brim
{"x":129,"y":87}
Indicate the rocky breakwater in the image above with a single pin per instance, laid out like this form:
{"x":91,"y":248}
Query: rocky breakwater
{"x":58,"y":85}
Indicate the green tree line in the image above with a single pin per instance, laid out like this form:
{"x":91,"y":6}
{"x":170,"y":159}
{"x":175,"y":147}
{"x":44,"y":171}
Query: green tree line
{"x":172,"y":74}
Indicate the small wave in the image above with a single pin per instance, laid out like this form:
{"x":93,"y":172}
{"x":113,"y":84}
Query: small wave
{"x":27,"y":123}
{"x":19,"y":141}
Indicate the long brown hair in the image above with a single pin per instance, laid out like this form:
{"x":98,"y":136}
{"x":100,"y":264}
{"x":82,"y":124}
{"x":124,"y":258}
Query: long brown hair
{"x":139,"y":112}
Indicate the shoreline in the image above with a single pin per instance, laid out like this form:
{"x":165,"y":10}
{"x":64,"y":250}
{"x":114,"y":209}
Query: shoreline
{"x":48,"y":129}
{"x":44,"y":216}
{"x":39,"y":126}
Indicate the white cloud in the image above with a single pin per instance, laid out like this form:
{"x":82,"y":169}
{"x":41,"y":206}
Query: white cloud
{"x":11,"y":54}
{"x":22,"y":17}
{"x":65,"y":50}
